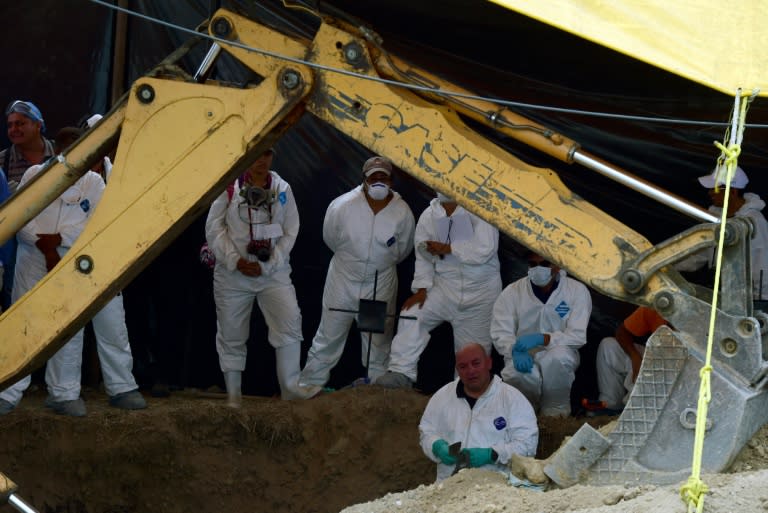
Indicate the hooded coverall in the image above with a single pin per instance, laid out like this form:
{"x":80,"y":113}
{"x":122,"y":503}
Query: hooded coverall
{"x":461,"y":288}
{"x":67,"y":216}
{"x":230,"y":227}
{"x":502,"y":419}
{"x":112,"y":343}
{"x":363,"y":244}
{"x":564,"y":317}
{"x":752,"y":209}
{"x":614,"y":366}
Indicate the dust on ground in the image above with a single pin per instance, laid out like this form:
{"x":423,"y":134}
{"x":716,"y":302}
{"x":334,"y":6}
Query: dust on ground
{"x":355,"y":448}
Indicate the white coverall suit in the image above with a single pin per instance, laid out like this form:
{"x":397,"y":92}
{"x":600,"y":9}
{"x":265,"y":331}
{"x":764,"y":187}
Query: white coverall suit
{"x":502,"y":419}
{"x":230,"y":227}
{"x":564,"y":317}
{"x":67,"y":216}
{"x":461,"y":287}
{"x":615,"y":378}
{"x":614,"y":373}
{"x":752,"y":209}
{"x":362,"y":244}
{"x":112,"y":343}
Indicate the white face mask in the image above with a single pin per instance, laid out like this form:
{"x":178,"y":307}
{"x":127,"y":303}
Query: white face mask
{"x":442,"y":198}
{"x":540,"y":275}
{"x":378,"y":190}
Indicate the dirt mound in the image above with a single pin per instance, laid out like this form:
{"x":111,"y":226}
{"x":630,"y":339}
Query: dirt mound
{"x":190,"y":452}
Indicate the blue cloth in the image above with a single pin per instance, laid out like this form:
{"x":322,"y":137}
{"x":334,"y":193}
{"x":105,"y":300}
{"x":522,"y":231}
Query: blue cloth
{"x":523,"y":361}
{"x":524,"y":483}
{"x":28,"y":109}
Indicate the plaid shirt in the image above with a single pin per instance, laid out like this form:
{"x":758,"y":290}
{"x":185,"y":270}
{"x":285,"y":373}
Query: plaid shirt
{"x":17,"y":164}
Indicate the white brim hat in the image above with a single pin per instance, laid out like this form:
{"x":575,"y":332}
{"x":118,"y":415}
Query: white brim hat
{"x":738,"y":181}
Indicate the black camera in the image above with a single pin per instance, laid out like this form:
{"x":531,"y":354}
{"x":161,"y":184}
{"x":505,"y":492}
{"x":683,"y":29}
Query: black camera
{"x":261,"y":249}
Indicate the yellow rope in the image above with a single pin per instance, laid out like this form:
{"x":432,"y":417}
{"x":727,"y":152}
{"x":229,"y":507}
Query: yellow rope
{"x":694,"y":490}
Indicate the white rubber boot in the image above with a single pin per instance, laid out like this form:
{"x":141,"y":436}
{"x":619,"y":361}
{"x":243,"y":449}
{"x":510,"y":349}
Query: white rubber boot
{"x":288,"y":362}
{"x":233,"y":381}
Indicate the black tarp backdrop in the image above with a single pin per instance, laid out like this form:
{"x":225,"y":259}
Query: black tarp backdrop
{"x":477,"y":44}
{"x":57,"y":55}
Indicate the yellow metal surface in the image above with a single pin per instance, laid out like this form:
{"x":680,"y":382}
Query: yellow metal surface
{"x":7,"y":487}
{"x":430,"y":142}
{"x":175,"y":153}
{"x":254,"y":35}
{"x":503,"y":120}
{"x":718,"y":44}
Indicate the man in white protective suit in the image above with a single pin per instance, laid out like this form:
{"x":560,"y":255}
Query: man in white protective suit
{"x":370,"y":230}
{"x":251,"y":232}
{"x":109,"y":327}
{"x":456,"y":280}
{"x":42,"y":243}
{"x":619,"y":359}
{"x":740,"y":204}
{"x":539,"y":323}
{"x":488,"y":418}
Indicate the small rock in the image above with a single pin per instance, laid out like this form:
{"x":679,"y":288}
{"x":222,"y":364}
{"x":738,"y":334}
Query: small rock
{"x":613,"y":498}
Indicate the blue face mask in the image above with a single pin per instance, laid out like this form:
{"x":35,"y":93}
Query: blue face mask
{"x":540,"y":275}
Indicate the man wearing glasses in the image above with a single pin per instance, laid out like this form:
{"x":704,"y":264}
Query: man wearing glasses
{"x":539,"y":323}
{"x":456,"y":280}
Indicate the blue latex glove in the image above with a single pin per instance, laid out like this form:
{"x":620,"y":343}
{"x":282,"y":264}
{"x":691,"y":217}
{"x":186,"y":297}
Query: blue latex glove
{"x":479,"y":456}
{"x":523,"y":361}
{"x":529,"y":341}
{"x":440,"y":449}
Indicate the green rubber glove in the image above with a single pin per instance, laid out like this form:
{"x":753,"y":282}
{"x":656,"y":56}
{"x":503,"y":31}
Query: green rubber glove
{"x":479,"y":456}
{"x":440,"y":449}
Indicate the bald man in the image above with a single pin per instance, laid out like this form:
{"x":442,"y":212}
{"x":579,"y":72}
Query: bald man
{"x":491,"y":420}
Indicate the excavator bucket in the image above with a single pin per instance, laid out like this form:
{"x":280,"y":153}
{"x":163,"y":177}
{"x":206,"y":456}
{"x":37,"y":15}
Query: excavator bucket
{"x":655,"y":432}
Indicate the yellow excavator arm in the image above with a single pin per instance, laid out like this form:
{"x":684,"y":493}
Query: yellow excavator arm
{"x":181,"y":139}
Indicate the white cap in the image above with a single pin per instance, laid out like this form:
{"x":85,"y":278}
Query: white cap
{"x":738,"y":181}
{"x":93,"y":120}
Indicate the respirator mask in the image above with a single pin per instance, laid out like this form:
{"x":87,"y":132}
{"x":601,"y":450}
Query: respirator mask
{"x":540,"y":275}
{"x":378,"y":190}
{"x":256,"y":197}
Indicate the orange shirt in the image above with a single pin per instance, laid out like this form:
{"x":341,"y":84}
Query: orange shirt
{"x":643,"y":321}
